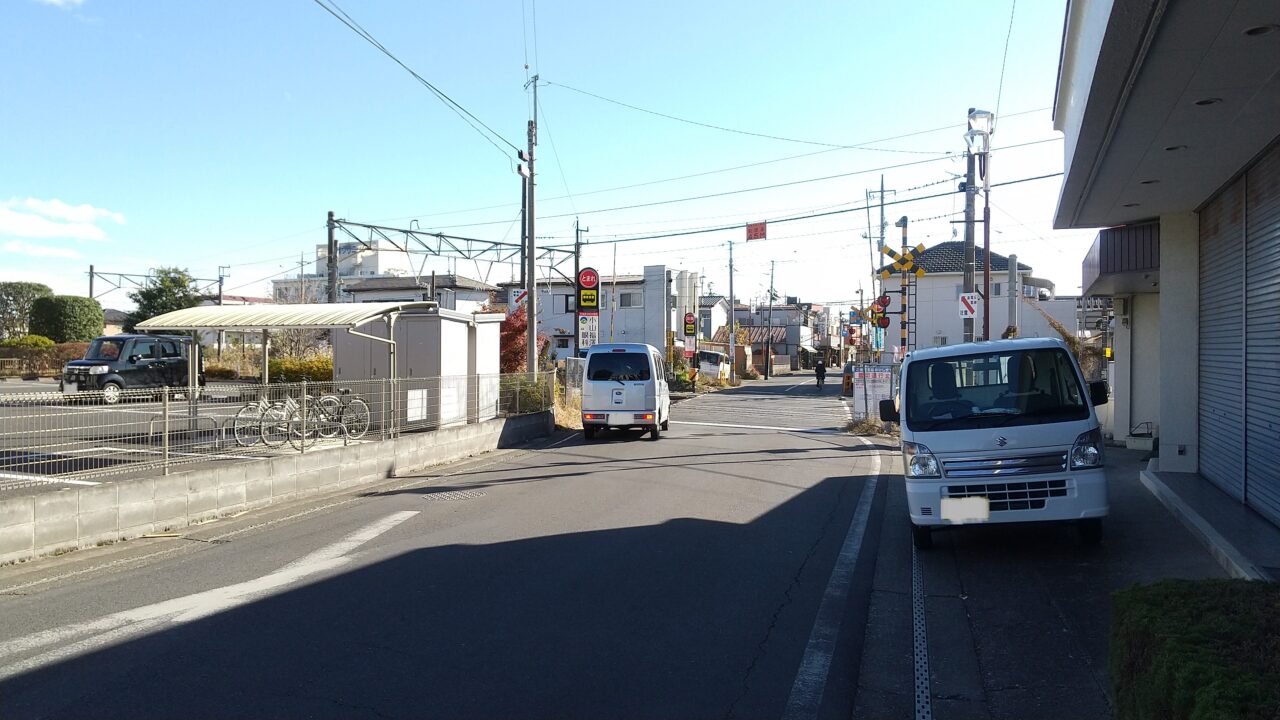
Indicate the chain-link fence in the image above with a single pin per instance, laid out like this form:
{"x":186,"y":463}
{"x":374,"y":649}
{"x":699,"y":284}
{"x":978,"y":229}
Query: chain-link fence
{"x":52,"y":437}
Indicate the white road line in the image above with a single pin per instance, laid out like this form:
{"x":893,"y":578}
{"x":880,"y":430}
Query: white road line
{"x":793,"y":387}
{"x":99,"y":632}
{"x":815,"y":431}
{"x":815,"y":665}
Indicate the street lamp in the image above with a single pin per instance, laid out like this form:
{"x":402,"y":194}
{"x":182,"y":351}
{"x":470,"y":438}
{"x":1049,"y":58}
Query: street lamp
{"x":982,"y":125}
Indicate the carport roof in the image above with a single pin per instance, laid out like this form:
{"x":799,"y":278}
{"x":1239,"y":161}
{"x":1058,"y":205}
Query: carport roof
{"x":277,"y":317}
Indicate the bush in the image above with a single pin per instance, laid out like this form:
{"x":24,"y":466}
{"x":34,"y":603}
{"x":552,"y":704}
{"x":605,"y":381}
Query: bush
{"x":750,"y":373}
{"x":1196,"y":649}
{"x":27,"y":342}
{"x":215,"y":371}
{"x":297,"y":369}
{"x":518,"y":394}
{"x":67,"y":318}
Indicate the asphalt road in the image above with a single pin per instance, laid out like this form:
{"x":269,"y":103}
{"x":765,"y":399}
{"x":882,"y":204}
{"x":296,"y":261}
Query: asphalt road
{"x":729,"y":570}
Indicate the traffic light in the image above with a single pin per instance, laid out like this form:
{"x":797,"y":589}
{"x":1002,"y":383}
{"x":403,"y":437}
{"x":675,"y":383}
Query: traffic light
{"x":883,"y":321}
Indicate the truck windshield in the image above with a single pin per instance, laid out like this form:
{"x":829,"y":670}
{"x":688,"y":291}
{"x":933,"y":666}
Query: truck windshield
{"x":1018,"y":387}
{"x":618,"y":366}
{"x":104,"y":349}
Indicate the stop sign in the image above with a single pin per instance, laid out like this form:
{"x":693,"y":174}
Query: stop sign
{"x":588,"y":278}
{"x":688,"y":317}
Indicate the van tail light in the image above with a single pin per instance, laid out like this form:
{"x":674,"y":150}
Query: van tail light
{"x":644,"y":416}
{"x":593,"y":416}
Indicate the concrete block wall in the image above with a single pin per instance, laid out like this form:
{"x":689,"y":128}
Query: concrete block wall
{"x":48,"y":521}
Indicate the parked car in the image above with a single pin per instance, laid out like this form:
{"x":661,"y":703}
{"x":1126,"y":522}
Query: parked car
{"x":713,"y":365}
{"x":625,"y":386}
{"x":999,"y":432}
{"x":116,"y":363}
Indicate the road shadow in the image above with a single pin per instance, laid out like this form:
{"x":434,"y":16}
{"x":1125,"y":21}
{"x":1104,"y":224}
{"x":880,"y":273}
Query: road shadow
{"x":688,"y":618}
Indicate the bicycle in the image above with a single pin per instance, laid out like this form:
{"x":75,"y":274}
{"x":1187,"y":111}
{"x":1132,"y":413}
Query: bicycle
{"x":341,"y":412}
{"x":246,"y":427}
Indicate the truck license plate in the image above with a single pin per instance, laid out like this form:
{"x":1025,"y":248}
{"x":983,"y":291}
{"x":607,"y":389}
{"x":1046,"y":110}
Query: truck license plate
{"x":963,"y":510}
{"x":69,"y":387}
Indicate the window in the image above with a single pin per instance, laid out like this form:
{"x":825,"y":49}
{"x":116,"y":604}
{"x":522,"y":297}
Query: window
{"x":566,"y":303}
{"x":146,"y":348}
{"x":618,"y":366}
{"x":169,"y":349}
{"x":631,"y":299}
{"x":994,"y":390}
{"x":562,"y":343}
{"x":939,"y":340}
{"x":104,"y":350}
{"x":995,"y":289}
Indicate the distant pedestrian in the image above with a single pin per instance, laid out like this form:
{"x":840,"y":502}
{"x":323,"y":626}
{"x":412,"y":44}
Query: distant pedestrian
{"x":820,"y":370}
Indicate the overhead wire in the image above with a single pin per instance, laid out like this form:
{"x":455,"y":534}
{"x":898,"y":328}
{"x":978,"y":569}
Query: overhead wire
{"x":739,"y":191}
{"x":449,"y":102}
{"x":1005,"y":59}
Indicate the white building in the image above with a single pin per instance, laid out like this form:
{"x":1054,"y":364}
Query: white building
{"x":713,"y":314}
{"x":1174,"y":148}
{"x":633,"y":308}
{"x":935,"y":305}
{"x":452,"y":292}
{"x":356,"y":262}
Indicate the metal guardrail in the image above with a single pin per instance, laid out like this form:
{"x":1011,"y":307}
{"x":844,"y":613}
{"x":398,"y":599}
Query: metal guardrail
{"x":54,"y":438}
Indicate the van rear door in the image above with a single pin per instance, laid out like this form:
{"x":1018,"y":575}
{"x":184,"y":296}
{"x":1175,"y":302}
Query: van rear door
{"x":618,"y":381}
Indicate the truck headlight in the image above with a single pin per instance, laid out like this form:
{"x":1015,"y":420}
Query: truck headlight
{"x":98,"y":370}
{"x":920,"y":463}
{"x":1087,"y":450}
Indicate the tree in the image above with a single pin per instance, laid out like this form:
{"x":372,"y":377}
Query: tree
{"x":15,"y":306}
{"x":171,"y":289}
{"x":513,"y":339}
{"x":66,"y":318}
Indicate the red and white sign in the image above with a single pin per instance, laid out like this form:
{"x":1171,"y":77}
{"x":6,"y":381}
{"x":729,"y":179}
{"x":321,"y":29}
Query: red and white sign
{"x":588,"y":278}
{"x":755,"y":231}
{"x":515,"y":299}
{"x":969,"y":304}
{"x":688,"y":317}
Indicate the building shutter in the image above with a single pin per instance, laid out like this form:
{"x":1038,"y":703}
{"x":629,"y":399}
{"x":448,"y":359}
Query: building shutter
{"x":1221,"y":345}
{"x":1262,"y":336}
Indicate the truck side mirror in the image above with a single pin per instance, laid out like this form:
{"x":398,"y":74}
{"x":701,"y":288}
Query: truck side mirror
{"x":888,"y":412}
{"x":1099,"y":394}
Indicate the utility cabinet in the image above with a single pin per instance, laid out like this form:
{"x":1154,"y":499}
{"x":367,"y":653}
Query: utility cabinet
{"x":445,"y":372}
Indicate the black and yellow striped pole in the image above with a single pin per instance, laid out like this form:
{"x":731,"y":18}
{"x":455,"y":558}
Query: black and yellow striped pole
{"x":905,"y":264}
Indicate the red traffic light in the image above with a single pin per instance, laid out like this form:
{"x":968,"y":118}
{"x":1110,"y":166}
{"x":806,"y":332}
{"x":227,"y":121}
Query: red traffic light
{"x":883,"y":301}
{"x":883,"y":321}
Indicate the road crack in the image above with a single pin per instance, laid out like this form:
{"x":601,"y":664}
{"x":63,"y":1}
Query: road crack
{"x":787,"y":597}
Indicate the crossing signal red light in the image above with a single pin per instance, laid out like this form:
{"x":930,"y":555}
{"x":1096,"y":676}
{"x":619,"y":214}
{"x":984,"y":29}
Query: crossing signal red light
{"x":883,"y":321}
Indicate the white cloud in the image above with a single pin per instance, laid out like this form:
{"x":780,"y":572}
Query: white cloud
{"x":36,"y":218}
{"x":28,"y":225}
{"x":18,"y":247}
{"x":57,"y":210}
{"x":62,"y":3}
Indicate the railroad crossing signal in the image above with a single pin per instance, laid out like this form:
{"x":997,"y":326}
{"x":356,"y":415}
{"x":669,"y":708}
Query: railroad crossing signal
{"x":904,"y":262}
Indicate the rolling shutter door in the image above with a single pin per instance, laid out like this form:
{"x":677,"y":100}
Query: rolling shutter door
{"x":1221,"y":344}
{"x":1262,"y":337}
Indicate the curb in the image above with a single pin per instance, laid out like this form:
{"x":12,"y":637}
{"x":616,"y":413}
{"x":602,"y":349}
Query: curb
{"x":1226,"y":554}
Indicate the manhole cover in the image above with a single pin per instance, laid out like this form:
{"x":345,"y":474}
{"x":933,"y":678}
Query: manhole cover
{"x":455,"y":495}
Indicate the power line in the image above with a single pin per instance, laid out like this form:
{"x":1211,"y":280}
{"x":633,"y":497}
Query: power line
{"x":449,"y":102}
{"x":776,"y":221}
{"x":1005,"y":59}
{"x":554,"y":151}
{"x":743,"y":190}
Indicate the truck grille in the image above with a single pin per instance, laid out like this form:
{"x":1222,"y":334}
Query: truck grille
{"x":1005,"y":466}
{"x":1030,"y":495}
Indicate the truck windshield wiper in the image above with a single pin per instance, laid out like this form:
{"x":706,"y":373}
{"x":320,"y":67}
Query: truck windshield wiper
{"x":1005,"y":417}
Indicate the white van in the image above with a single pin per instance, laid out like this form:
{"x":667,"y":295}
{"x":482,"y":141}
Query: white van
{"x":625,"y":386}
{"x":713,"y":365}
{"x":999,"y":432}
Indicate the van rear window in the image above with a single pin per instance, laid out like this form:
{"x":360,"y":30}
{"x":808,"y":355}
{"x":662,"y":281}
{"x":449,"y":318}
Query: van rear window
{"x":618,"y":366}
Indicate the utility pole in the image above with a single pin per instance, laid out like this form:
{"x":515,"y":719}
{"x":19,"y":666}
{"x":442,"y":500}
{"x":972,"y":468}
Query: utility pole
{"x":733,"y":329}
{"x":1013,"y":293}
{"x":90,"y":281}
{"x":577,"y":268}
{"x":902,"y":289}
{"x":768,"y":341}
{"x":333,"y":261}
{"x":970,"y":262}
{"x":986,"y":250}
{"x":222,"y":334}
{"x":531,"y":302}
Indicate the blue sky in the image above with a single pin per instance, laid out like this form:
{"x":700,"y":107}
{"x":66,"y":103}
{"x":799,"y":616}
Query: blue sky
{"x":147,"y":133}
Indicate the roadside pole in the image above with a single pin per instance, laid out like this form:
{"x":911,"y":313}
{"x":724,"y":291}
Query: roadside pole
{"x":733,"y":355}
{"x":902,"y":289}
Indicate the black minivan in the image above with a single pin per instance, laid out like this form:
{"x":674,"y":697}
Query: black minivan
{"x":115,"y":363}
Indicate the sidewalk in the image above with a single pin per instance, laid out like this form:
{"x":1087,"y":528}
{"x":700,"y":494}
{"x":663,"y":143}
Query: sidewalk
{"x":1243,"y":542}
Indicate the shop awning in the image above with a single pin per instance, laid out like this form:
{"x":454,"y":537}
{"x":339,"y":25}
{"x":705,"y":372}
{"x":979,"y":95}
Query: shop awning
{"x":807,"y":348}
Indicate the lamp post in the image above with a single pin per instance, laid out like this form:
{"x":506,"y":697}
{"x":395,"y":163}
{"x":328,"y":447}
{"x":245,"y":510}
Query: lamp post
{"x":982,"y":125}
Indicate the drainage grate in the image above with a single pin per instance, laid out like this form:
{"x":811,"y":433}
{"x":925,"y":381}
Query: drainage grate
{"x":920,"y":641}
{"x":454,"y":495}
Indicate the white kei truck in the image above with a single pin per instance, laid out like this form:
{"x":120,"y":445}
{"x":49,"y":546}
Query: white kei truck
{"x":625,"y":386}
{"x":999,"y":432}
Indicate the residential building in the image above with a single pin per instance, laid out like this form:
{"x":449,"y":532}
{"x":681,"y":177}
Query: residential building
{"x":356,"y":262}
{"x":113,"y":321}
{"x":713,"y":314}
{"x":633,"y":308}
{"x":453,"y":292}
{"x":934,"y":305}
{"x":1169,"y":114}
{"x":797,"y":318}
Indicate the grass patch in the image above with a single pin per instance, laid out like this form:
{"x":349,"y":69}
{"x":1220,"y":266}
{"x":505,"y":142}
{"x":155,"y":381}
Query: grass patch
{"x":568,"y":412}
{"x":1196,"y":649}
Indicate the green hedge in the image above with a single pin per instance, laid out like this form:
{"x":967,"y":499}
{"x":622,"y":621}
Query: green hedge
{"x":288,"y":369}
{"x":66,"y":318}
{"x":1196,"y":650}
